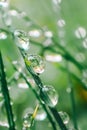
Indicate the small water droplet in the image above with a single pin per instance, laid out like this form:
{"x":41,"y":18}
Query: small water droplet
{"x":22,"y":85}
{"x":47,"y":42}
{"x":56,"y":2}
{"x":85,"y":43}
{"x":35,"y":33}
{"x":22,"y":40}
{"x":28,"y":121}
{"x":61,"y":23}
{"x":49,"y":95}
{"x":3,"y":35}
{"x":48,"y":34}
{"x":36,"y":63}
{"x":84,"y":77}
{"x":4,"y":3}
{"x":13,"y":12}
{"x":41,"y":114}
{"x":7,"y":18}
{"x":80,"y":32}
{"x":68,"y":90}
{"x":64,"y":117}
{"x":54,"y":58}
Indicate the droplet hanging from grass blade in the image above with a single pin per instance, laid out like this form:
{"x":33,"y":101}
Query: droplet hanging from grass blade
{"x":49,"y":95}
{"x":22,"y":40}
{"x":64,"y":117}
{"x":36,"y":63}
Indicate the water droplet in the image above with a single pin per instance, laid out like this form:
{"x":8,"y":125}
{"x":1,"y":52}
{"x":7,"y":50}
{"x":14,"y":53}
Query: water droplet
{"x":56,"y":2}
{"x":61,"y":23}
{"x":85,"y":43}
{"x":3,"y":35}
{"x":4,"y":3}
{"x":22,"y":40}
{"x":84,"y":77}
{"x":36,"y":63}
{"x":80,"y":57}
{"x":47,"y":42}
{"x":41,"y":114}
{"x":64,"y":117}
{"x":22,"y":85}
{"x":48,"y":34}
{"x":54,"y":58}
{"x":13,"y":12}
{"x":7,"y":18}
{"x":68,"y":90}
{"x":27,"y":121}
{"x":35,"y":33}
{"x":49,"y":96}
{"x":80,"y":32}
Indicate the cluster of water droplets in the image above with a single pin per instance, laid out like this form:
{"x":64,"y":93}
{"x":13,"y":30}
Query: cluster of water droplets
{"x":27,"y":121}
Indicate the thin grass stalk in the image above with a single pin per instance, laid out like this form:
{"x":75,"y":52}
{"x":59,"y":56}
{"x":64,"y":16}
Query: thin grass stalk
{"x":72,"y":97}
{"x":6,"y":96}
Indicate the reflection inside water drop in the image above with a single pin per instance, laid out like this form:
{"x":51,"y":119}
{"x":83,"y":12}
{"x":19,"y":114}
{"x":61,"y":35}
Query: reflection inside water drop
{"x":36,"y":63}
{"x":49,"y":95}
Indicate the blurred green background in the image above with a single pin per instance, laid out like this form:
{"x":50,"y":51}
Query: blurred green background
{"x":42,"y":12}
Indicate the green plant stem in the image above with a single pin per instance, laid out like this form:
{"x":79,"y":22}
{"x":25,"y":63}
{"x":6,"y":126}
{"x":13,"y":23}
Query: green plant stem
{"x":67,"y":54}
{"x":39,"y":99}
{"x":72,"y":97}
{"x":59,"y":120}
{"x":74,"y":76}
{"x":52,"y":110}
{"x":6,"y":96}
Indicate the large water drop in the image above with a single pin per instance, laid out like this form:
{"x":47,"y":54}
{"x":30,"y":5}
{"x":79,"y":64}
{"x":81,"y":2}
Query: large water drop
{"x":36,"y":63}
{"x":49,"y":95}
{"x":22,"y":39}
